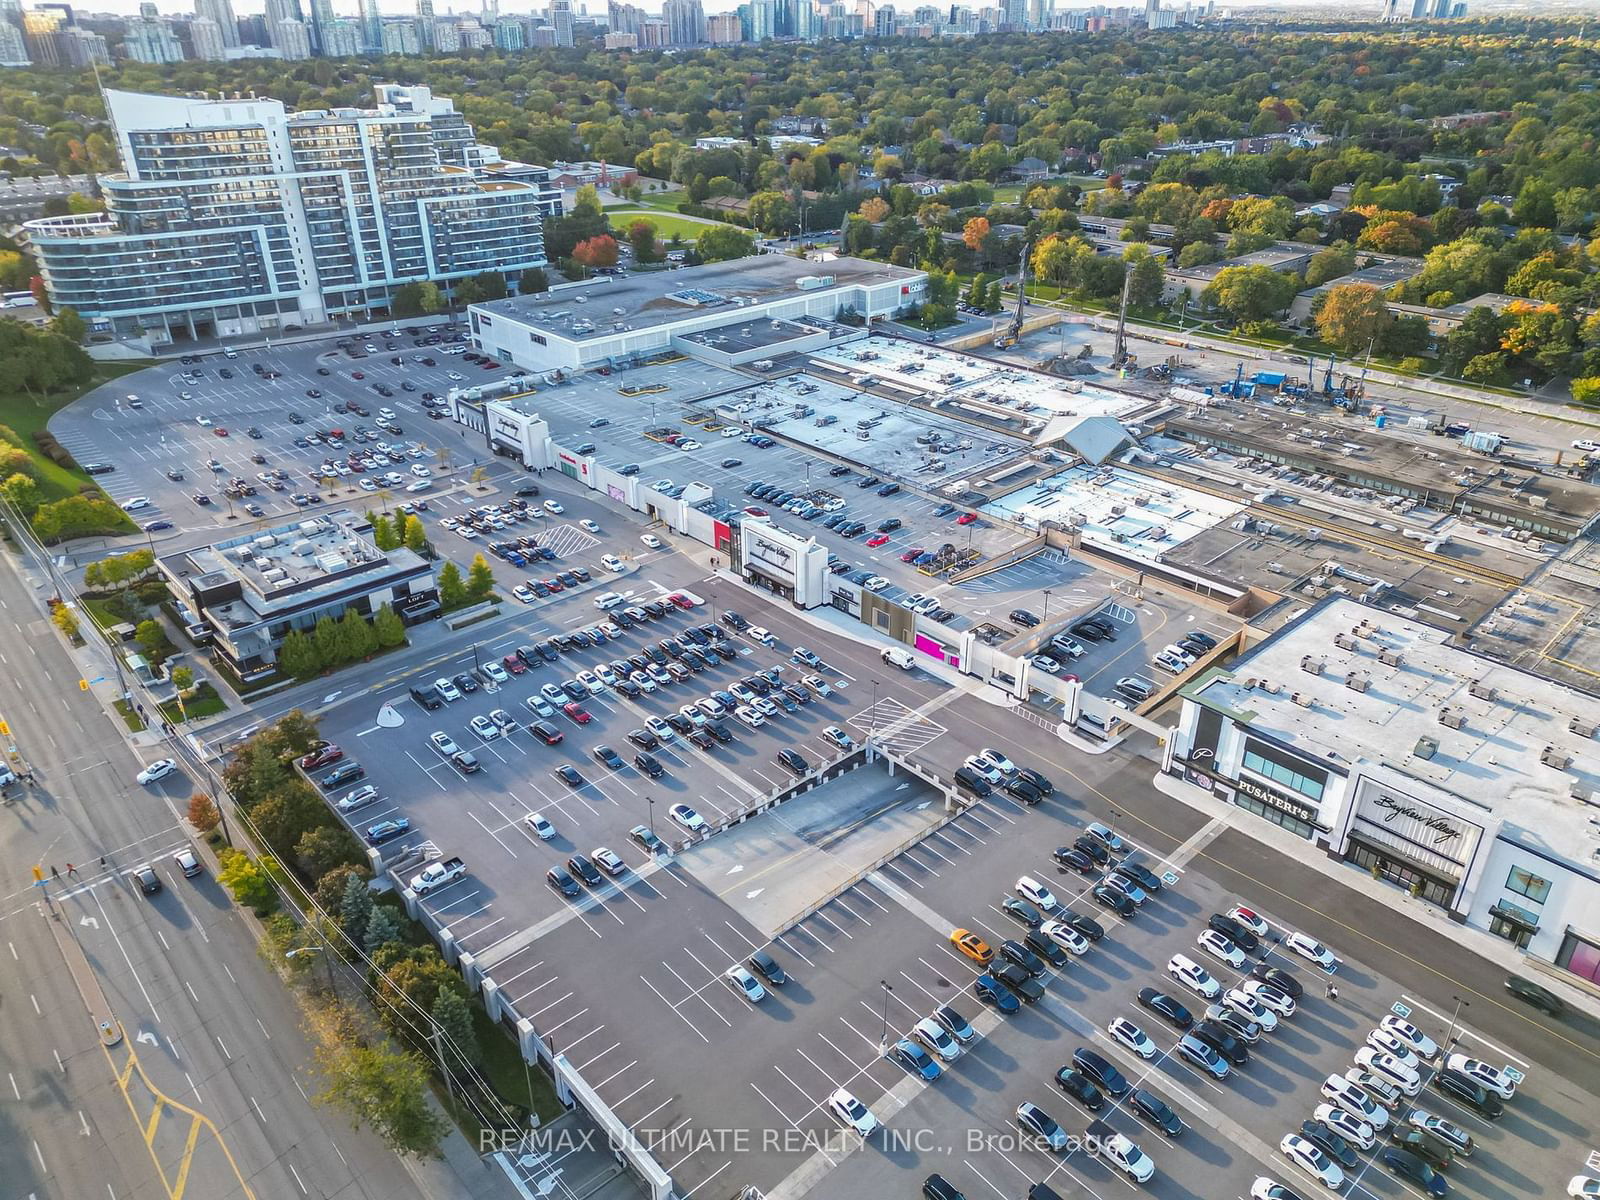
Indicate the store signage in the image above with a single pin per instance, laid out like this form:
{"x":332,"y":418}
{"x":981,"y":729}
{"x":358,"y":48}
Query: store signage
{"x":1275,"y":799}
{"x":510,"y":428}
{"x":1392,"y":806}
{"x":769,"y":551}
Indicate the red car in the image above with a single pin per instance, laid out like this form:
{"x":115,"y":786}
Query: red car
{"x":577,"y":712}
{"x":911,"y":554}
{"x":966,"y":518}
{"x":878,"y":539}
{"x":555,"y":585}
{"x":358,"y":375}
{"x":321,"y":758}
{"x":757,"y":511}
{"x":681,"y":601}
{"x":513,"y":664}
{"x":220,"y":431}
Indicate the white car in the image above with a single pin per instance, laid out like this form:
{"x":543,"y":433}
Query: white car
{"x":876,"y":584}
{"x":1267,"y":1188}
{"x":1247,"y":1006}
{"x":852,"y":1113}
{"x":1036,"y":894}
{"x":588,"y":525}
{"x":554,"y":506}
{"x":159,"y":769}
{"x":421,"y":472}
{"x":1347,"y":1125}
{"x":1193,"y":976}
{"x":455,"y":376}
{"x":761,"y":635}
{"x":997,"y":760}
{"x":1269,"y":997}
{"x":367,"y":485}
{"x":651,"y":541}
{"x":135,"y":503}
{"x":1391,"y":1069}
{"x":611,"y":563}
{"x":485,"y":728}
{"x":591,"y":681}
{"x":642,"y":681}
{"x":731,"y":431}
{"x":443,"y":743}
{"x":984,"y":768}
{"x":936,"y":1038}
{"x":1381,"y":1040}
{"x":687,"y":817}
{"x":1312,"y":950}
{"x":745,"y":984}
{"x":203,"y":422}
{"x":750,"y":716}
{"x":1310,"y":1159}
{"x":1250,"y":919}
{"x":541,"y":827}
{"x":447,"y":689}
{"x":1496,"y":1080}
{"x":1353,"y":1100}
{"x":1410,"y":1036}
{"x":1170,"y":663}
{"x":1065,"y":936}
{"x":690,"y":713}
{"x":524,"y":593}
{"x":1130,"y":1035}
{"x":495,"y":673}
{"x":1123,"y":1154}
{"x":1585,"y":1186}
{"x":688,"y":444}
{"x":1585,"y":444}
{"x":358,"y":798}
{"x":1221,"y":948}
{"x":819,"y":685}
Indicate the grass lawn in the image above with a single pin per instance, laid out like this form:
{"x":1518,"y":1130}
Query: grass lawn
{"x":204,"y":703}
{"x":659,"y":201}
{"x":508,"y":1074}
{"x":25,"y":414}
{"x":666,"y":224}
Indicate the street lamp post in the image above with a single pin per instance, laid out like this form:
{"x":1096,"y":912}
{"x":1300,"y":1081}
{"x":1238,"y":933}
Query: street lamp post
{"x":872,"y":731}
{"x":883,"y":1038}
{"x":1449,"y":1037}
{"x":314,"y":950}
{"x":1046,"y":619}
{"x":651,"y":800}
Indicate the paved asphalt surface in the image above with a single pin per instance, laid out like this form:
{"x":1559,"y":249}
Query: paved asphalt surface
{"x":211,"y":1025}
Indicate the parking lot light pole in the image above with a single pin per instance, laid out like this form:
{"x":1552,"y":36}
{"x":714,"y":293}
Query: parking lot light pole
{"x":1449,"y":1037}
{"x":883,"y":1038}
{"x":872,"y":732}
{"x":651,"y":800}
{"x":1045,"y":620}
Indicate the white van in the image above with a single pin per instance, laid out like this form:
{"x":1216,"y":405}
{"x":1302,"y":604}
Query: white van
{"x":606,"y":601}
{"x":895,"y":656}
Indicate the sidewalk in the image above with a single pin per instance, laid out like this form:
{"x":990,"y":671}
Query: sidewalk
{"x":1474,"y":941}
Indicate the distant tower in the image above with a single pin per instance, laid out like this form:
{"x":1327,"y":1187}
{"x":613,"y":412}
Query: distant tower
{"x":220,"y":11}
{"x":371,"y":26}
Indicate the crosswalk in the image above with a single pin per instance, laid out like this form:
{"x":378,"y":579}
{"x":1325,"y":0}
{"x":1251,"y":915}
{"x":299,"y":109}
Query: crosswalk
{"x":896,"y":726}
{"x":567,"y":540}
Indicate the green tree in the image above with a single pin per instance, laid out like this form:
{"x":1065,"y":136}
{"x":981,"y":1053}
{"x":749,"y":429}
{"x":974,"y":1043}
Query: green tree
{"x":420,"y":974}
{"x":298,"y":656}
{"x":416,"y":535}
{"x":183,"y":680}
{"x":480,"y":579}
{"x":151,"y":637}
{"x":322,"y":849}
{"x":355,"y":908}
{"x":490,"y":285}
{"x":533,"y":281}
{"x":331,"y":888}
{"x":246,"y":881}
{"x":1478,"y":335}
{"x":1586,"y":391}
{"x":70,"y":325}
{"x":64,"y":620}
{"x":330,"y":644}
{"x":1249,"y":293}
{"x":1144,"y":288}
{"x":719,"y":243}
{"x":430,"y":299}
{"x":285,"y":816}
{"x":772,"y":212}
{"x":1351,"y":316}
{"x":1404,"y":337}
{"x":376,"y":1085}
{"x":452,"y":591}
{"x":642,"y":237}
{"x":453,"y":1015}
{"x":388,"y":628}
{"x":359,"y":639}
{"x":22,"y":492}
{"x":383,"y":927}
{"x":407,"y":301}
{"x":383,"y":533}
{"x":1330,"y":264}
{"x":587,"y":201}
{"x":1486,"y":368}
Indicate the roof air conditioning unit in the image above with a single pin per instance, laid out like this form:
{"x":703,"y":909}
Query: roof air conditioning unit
{"x":1550,"y":756}
{"x":1426,"y":747}
{"x":1357,"y":682}
{"x":1452,"y":718}
{"x":1391,"y":658}
{"x":1344,"y":641}
{"x":1304,"y":699}
{"x":1251,"y":683}
{"x":1483,"y":690}
{"x":1583,"y":728}
{"x":1311,"y":666}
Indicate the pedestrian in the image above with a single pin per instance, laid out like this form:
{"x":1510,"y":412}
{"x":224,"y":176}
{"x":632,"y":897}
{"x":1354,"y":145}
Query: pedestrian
{"x":102,"y":862}
{"x":72,"y":871}
{"x":55,"y":872}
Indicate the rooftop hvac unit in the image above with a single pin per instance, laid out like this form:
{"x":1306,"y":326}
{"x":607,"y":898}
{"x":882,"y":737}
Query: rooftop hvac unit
{"x":304,"y":549}
{"x":243,"y":553}
{"x":1311,"y":666}
{"x":1579,"y":792}
{"x":1344,"y":641}
{"x":1483,"y":690}
{"x":1452,"y":718}
{"x":265,"y":541}
{"x":261,"y":564}
{"x":1313,"y":535}
{"x":1250,"y":683}
{"x":275,"y":575}
{"x":1304,"y":699}
{"x":1141,"y":500}
{"x":1550,"y":756}
{"x":1426,"y":747}
{"x":1582,"y":727}
{"x":1356,"y":681}
{"x":331,"y":563}
{"x":1118,"y":510}
{"x":1391,"y":658}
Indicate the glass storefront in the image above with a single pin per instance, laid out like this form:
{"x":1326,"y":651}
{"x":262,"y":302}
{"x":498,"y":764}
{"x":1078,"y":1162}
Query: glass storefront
{"x":1387,"y":866}
{"x":1513,"y":923}
{"x":1581,"y":956}
{"x":1276,"y":815}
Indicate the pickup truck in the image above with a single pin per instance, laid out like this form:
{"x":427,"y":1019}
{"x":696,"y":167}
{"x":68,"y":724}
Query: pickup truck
{"x":437,"y":874}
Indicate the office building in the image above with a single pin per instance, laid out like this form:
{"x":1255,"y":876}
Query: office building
{"x":371,"y":26}
{"x":205,"y":39}
{"x":292,"y":39}
{"x":321,"y":17}
{"x":1384,"y":743}
{"x":723,"y":29}
{"x":686,"y":22}
{"x":233,"y":217}
{"x":341,"y":38}
{"x":148,"y":38}
{"x":561,"y":21}
{"x":13,"y":48}
{"x":883,"y":21}
{"x":243,"y":596}
{"x":400,"y":37}
{"x":220,"y":11}
{"x":425,"y":24}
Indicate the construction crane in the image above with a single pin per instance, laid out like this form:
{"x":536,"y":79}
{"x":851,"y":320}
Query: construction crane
{"x":1013,"y":332}
{"x":1119,"y":354}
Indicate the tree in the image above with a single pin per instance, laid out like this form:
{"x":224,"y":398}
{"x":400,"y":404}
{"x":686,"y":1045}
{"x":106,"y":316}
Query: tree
{"x":1405,"y":337}
{"x":1586,"y":391}
{"x":720,"y":243}
{"x":359,"y":639}
{"x":480,"y":579}
{"x":183,"y":680}
{"x":772,"y":212}
{"x":1541,"y":334}
{"x":1330,"y":264}
{"x":70,"y":325}
{"x":452,"y":591}
{"x":874,"y":209}
{"x":331,"y":887}
{"x":355,"y":908}
{"x":285,"y":816}
{"x":416,"y":535}
{"x":1351,"y":316}
{"x":1485,"y":368}
{"x":418,"y":973}
{"x":383,"y":927}
{"x":151,"y":637}
{"x":389,"y":630}
{"x":64,"y":620}
{"x":383,"y":533}
{"x":406,"y":301}
{"x":322,"y":849}
{"x":1261,"y":214}
{"x":490,"y":285}
{"x":453,"y":1015}
{"x":586,"y":203}
{"x":246,"y":881}
{"x":642,"y":237}
{"x":22,"y":492}
{"x":1148,"y":279}
{"x":1249,"y":293}
{"x":298,"y":656}
{"x":974,"y":231}
{"x":329,"y":643}
{"x":532,"y":281}
{"x":1478,"y":334}
{"x":203,"y":813}
{"x":598,"y":251}
{"x":376,"y":1085}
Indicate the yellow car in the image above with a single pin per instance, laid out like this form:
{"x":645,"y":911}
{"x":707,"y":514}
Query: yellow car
{"x":973,"y":946}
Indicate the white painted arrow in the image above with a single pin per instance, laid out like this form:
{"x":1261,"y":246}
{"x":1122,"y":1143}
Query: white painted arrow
{"x":735,"y":870}
{"x":90,"y":922}
{"x":902,"y":787}
{"x":754,"y":894}
{"x":924,"y":805}
{"x":146,"y":1037}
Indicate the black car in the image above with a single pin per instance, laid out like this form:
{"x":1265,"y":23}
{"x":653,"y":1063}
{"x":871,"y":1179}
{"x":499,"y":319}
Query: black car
{"x":890,"y":524}
{"x":1164,"y":1006}
{"x":991,"y":991}
{"x":1042,"y":782}
{"x":643,"y":739}
{"x":466,"y":683}
{"x":1040,"y":943}
{"x":1329,"y":1142}
{"x":1155,"y":1111}
{"x":428,"y":696}
{"x":1019,"y":981}
{"x":1409,"y":1166}
{"x":528,"y":489}
{"x":1470,"y":1093}
{"x":1108,"y":1078}
{"x":1081,"y":1088}
{"x":1091,"y":633}
{"x":569,"y":775}
{"x":1021,"y":789}
{"x":1014,"y":951}
{"x":1021,"y":616}
{"x":585,"y":870}
{"x":720,"y":731}
{"x":937,"y":1187}
{"x":530,"y":656}
{"x":1116,"y":901}
{"x":1076,"y":860}
{"x":648,"y":765}
{"x":1142,"y":875}
{"x":608,"y":757}
{"x":1235,"y":932}
{"x":1532,"y":994}
{"x":1021,"y":910}
{"x":764,"y":965}
{"x":1093,"y":847}
{"x":794,"y":762}
{"x":562,"y":882}
{"x":1280,"y":979}
{"x":1223,"y":1041}
{"x":1088,"y":926}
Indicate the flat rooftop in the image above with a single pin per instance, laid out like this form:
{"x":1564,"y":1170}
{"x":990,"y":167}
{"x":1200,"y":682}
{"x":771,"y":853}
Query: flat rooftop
{"x":762,"y":333}
{"x":1362,"y":453}
{"x":1380,"y":274}
{"x":612,"y":304}
{"x":1130,"y":514}
{"x":1492,"y":761}
{"x":1279,"y":256}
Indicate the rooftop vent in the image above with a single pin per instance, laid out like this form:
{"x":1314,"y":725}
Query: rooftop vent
{"x":1483,"y":690}
{"x":1391,"y":658}
{"x":1452,"y":718}
{"x":1304,"y":699}
{"x":1550,"y":756}
{"x":1426,"y":747}
{"x":1357,"y":681}
{"x":1581,"y":726}
{"x":1344,"y":641}
{"x":1311,"y":666}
